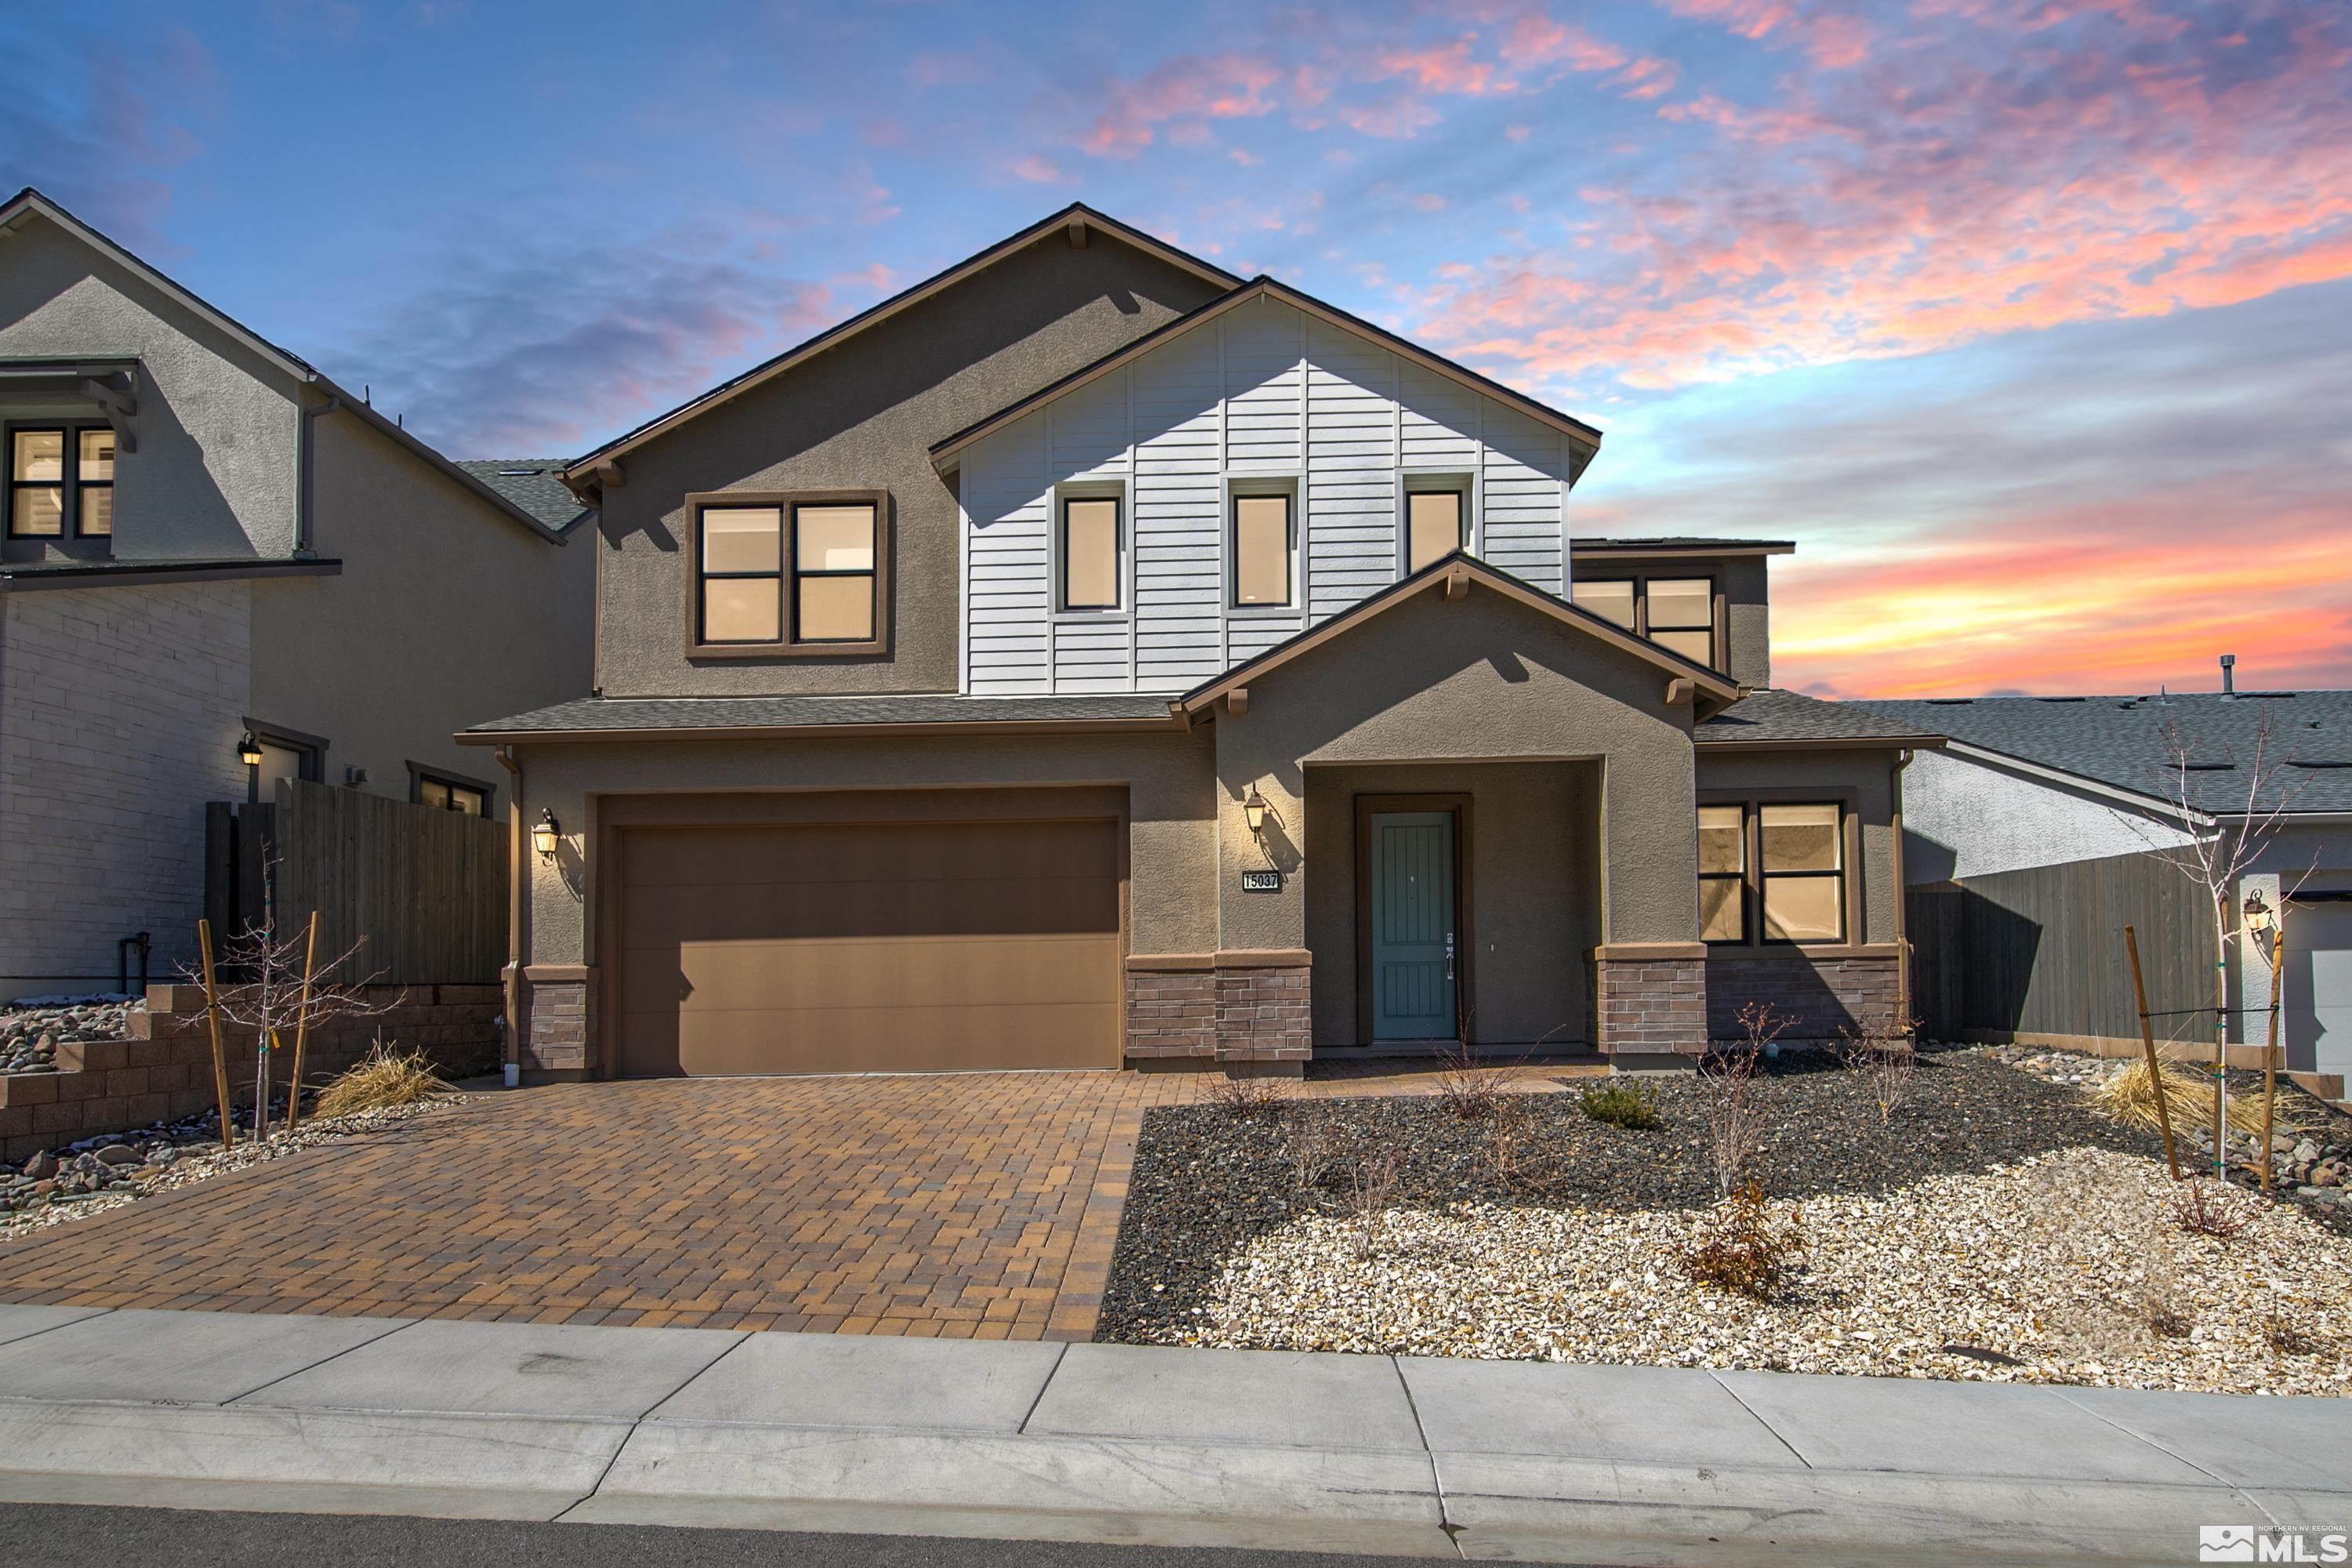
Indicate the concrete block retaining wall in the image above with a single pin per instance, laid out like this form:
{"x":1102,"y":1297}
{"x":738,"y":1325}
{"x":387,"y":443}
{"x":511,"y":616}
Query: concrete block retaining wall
{"x":164,"y":1071}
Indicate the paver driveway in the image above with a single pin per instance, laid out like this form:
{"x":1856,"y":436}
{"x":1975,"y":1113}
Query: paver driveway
{"x":980,"y":1205}
{"x":943,"y":1206}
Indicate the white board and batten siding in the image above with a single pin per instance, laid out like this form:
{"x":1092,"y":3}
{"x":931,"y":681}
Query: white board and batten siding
{"x":1265,"y":396}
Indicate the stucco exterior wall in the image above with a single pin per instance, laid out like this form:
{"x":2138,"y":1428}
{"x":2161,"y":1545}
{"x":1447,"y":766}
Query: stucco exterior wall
{"x":447,"y":613}
{"x":1744,"y":583}
{"x":1483,"y":680}
{"x":1965,"y":816}
{"x":865,"y":416}
{"x":120,"y":711}
{"x":1169,"y":777}
{"x":1535,"y":882}
{"x":214,"y":476}
{"x":1863,"y":775}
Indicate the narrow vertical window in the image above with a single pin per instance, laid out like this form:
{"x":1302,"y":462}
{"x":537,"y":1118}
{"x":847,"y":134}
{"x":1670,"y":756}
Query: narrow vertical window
{"x":1682,"y":616}
{"x":742,"y":573}
{"x":1433,"y":526}
{"x":832,"y":573}
{"x":1090,"y":553}
{"x":1610,"y":598}
{"x":1803,"y":863}
{"x":1722,"y":873}
{"x":94,"y":483}
{"x":37,"y":484}
{"x":1261,"y":549}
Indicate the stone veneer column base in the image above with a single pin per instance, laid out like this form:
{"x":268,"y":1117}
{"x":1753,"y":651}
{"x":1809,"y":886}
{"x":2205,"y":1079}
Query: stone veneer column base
{"x":558,"y":1022}
{"x":1650,"y":1003}
{"x":1246,"y":1012}
{"x":1821,"y":997}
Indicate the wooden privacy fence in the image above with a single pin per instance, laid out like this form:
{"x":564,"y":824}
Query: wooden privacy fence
{"x":2040,"y":952}
{"x":426,"y":889}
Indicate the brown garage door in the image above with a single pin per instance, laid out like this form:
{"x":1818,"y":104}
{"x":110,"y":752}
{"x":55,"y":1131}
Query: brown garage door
{"x":890,"y":947}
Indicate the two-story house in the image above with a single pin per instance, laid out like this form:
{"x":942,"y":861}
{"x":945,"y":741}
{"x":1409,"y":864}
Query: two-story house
{"x":218,"y":568}
{"x":1089,"y":657}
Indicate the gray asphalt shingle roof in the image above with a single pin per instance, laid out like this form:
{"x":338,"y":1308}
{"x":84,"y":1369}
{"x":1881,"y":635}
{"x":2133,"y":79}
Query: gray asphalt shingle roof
{"x":619,"y":715}
{"x":531,"y":484}
{"x":2123,"y":741}
{"x":1769,"y":714}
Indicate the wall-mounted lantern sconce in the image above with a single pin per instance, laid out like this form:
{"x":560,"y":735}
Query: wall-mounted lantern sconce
{"x":2258,"y":913}
{"x":1253,"y":810}
{"x":249,"y":751}
{"x":545,"y":834}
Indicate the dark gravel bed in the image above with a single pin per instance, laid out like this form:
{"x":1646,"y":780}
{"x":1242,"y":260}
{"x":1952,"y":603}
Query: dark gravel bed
{"x":1206,"y":1180}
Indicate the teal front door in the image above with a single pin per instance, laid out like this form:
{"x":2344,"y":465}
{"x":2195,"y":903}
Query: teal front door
{"x":1412,"y":866}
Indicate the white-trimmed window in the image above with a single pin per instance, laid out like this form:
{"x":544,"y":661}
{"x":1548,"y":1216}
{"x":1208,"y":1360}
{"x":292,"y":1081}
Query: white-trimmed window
{"x":1089,"y":550}
{"x":1263,"y":549}
{"x":1436,"y":522}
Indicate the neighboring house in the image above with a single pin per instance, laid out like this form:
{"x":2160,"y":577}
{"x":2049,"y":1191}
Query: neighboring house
{"x":207,"y":542}
{"x":2050,"y":822}
{"x":1090,"y":658}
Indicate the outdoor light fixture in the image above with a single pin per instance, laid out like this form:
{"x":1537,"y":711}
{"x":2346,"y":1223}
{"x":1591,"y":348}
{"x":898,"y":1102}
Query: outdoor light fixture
{"x":545,"y":834}
{"x":1254,"y":809}
{"x":2258,"y":913}
{"x":249,"y":751}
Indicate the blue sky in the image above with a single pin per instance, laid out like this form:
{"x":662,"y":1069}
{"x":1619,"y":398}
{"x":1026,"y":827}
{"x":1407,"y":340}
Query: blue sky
{"x":2029,"y":321}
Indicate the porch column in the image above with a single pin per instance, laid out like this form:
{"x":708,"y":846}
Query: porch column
{"x":1261,"y":967}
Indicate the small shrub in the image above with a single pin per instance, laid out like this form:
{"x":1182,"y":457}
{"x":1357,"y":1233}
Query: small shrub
{"x":2287,"y":1339}
{"x":1507,"y":1140}
{"x":2208,"y":1209}
{"x":1880,"y":1053}
{"x":1250,"y":1097}
{"x":1371,"y":1187}
{"x":1468,"y":1087}
{"x":387,"y":1076}
{"x":1735,"y":1122}
{"x":1741,"y":1248}
{"x":1622,"y":1102}
{"x":1310,"y":1140}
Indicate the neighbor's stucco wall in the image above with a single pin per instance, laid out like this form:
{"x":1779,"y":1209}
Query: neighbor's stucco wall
{"x":1485,"y":679}
{"x":119,"y":713}
{"x":449,"y":613}
{"x":1864,"y":776}
{"x":1964,"y":816}
{"x":1535,"y":883}
{"x":1169,"y":776}
{"x":864,"y":415}
{"x":214,"y":476}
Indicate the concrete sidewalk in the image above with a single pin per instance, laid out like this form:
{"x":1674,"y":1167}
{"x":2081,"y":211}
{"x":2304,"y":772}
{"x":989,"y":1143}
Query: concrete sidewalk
{"x":1474,"y":1459}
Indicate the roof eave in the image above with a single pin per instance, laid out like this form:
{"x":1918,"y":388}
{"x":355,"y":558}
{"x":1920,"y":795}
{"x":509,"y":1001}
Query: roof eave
{"x":813,"y":731}
{"x":1820,"y":743}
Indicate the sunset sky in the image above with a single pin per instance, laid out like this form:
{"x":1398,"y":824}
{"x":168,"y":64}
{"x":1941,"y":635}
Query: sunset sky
{"x":2029,"y":320}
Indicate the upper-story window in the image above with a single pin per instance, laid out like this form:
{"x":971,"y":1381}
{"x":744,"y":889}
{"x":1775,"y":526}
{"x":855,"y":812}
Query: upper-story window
{"x":61,"y":482}
{"x":1675,"y":613}
{"x":1437,"y":523}
{"x":1088,"y":550}
{"x":1264,"y":540}
{"x":799,"y":573}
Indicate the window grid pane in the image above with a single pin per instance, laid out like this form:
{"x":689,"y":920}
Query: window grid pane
{"x":1090,"y":554}
{"x":1721,"y":913}
{"x":835,"y":607}
{"x":1722,"y":841}
{"x":38,"y":456}
{"x":741,"y":609}
{"x":1611,"y":601}
{"x":1682,"y":603}
{"x":1261,"y":549}
{"x":96,"y":464}
{"x":1803,"y":909}
{"x":1799,"y":837}
{"x":1434,"y":522}
{"x":433,"y":792}
{"x":38,"y":511}
{"x":741,"y":539}
{"x":97,"y":505}
{"x":832,"y":538}
{"x":1696,"y":646}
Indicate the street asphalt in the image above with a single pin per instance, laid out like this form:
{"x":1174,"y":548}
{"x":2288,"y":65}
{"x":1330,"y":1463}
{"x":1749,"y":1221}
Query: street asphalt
{"x":64,"y":1537}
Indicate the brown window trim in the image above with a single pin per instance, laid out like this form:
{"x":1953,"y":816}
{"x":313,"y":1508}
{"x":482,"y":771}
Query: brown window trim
{"x":69,"y":486}
{"x":1719,"y":638}
{"x":1850,"y":868}
{"x":788,"y":574}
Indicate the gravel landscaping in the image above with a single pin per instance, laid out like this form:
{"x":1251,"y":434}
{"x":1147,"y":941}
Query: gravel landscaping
{"x":1993,"y":1227}
{"x":100,"y":1174}
{"x":32,"y":1029}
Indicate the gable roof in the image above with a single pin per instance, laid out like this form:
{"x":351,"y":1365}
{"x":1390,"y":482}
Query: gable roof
{"x":534,"y":484}
{"x":1769,"y":717}
{"x":943,"y":453}
{"x":2121,"y":742}
{"x":1443,"y":573}
{"x":1077,"y":217}
{"x":31,"y":201}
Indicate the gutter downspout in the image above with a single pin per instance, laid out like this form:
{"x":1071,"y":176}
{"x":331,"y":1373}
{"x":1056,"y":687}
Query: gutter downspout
{"x":515,"y":895}
{"x":304,"y":506}
{"x":1902,"y":899}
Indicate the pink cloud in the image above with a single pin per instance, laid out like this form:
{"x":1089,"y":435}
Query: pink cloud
{"x":1037,"y":171}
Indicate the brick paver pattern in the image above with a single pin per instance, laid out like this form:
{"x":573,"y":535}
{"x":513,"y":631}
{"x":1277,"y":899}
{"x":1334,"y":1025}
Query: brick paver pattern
{"x":966,"y":1206}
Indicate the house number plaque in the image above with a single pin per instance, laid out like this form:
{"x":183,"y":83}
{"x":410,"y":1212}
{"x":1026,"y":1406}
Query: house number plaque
{"x":1261,"y":881}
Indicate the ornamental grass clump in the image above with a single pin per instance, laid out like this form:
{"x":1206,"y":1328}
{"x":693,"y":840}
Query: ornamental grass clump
{"x":387,"y":1076}
{"x":2130,"y":1098}
{"x":1622,"y":1102}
